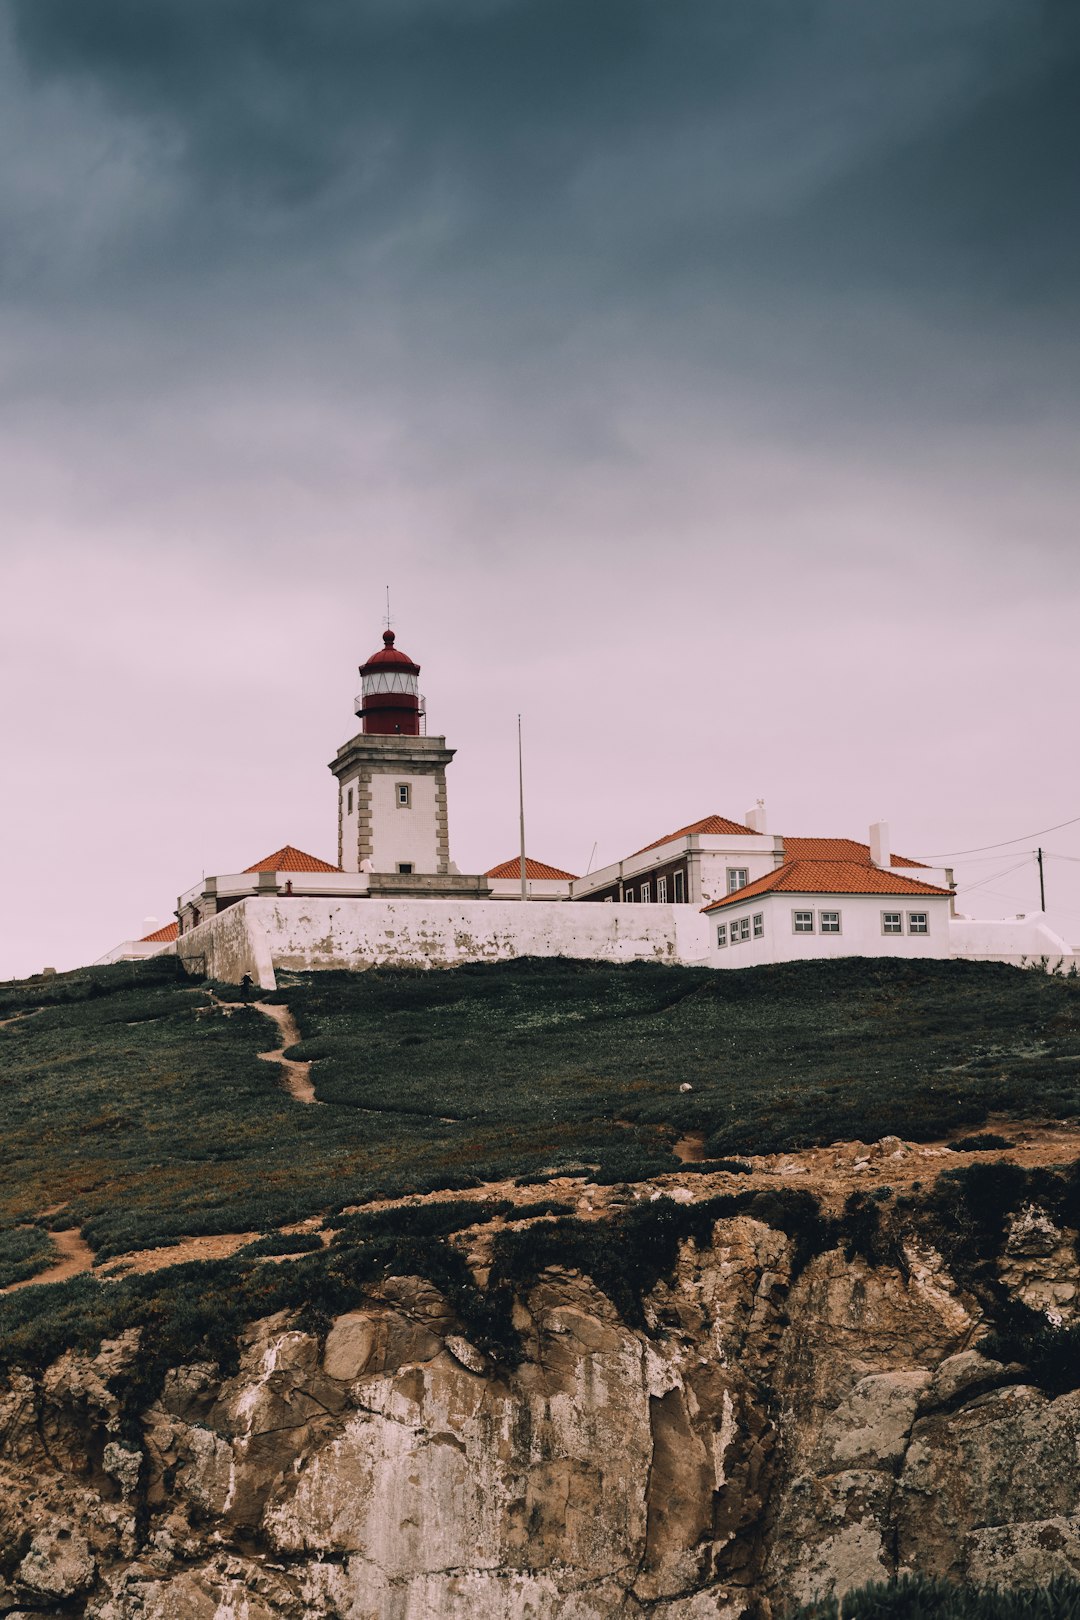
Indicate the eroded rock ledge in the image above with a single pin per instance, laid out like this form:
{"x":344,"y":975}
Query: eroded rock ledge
{"x":762,"y":1440}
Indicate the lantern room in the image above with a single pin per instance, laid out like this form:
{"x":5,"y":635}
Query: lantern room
{"x":390,"y":703}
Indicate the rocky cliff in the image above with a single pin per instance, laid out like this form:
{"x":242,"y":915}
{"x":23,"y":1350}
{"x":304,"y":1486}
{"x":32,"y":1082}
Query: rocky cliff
{"x":778,"y":1426}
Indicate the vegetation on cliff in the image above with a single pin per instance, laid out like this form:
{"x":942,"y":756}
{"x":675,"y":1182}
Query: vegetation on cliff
{"x":916,"y":1598}
{"x":137,"y":1108}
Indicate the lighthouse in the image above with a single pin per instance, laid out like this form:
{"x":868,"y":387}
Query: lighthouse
{"x":391,"y":777}
{"x":389,"y":703}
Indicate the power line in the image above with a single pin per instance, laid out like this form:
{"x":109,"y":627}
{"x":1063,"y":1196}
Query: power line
{"x":978,"y":849}
{"x":993,"y":878}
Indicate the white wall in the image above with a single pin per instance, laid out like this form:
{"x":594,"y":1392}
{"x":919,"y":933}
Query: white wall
{"x":1019,"y":940}
{"x":403,"y":834}
{"x":350,"y":860}
{"x":134,"y":950}
{"x":860,"y":929}
{"x":537,"y":888}
{"x":264,"y":934}
{"x":715,"y":863}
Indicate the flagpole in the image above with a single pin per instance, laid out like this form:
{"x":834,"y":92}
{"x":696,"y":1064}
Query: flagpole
{"x":521,"y":807}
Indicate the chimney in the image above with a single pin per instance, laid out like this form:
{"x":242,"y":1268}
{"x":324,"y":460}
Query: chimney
{"x":880,"y":852}
{"x":755,"y":818}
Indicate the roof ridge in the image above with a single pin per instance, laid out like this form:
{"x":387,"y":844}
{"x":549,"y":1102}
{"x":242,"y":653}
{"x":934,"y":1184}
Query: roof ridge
{"x":845,"y":877}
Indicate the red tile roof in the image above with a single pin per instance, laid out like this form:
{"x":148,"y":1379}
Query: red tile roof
{"x":709,"y":826}
{"x":795,"y":849}
{"x":533,"y":869}
{"x":835,"y":849}
{"x":828,"y":877}
{"x":162,"y":936}
{"x":291,"y":859}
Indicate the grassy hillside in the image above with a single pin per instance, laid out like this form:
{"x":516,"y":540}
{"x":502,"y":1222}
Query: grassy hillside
{"x":134,"y":1107}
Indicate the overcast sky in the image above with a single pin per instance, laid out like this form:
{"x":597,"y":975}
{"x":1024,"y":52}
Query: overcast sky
{"x":701,"y":376}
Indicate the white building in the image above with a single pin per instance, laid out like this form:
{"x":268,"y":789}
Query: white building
{"x":828,"y":908}
{"x":715,"y":892}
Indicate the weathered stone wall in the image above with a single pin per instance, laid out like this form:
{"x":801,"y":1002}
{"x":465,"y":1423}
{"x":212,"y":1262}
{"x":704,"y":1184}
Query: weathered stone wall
{"x":303,"y":934}
{"x":765,"y":1441}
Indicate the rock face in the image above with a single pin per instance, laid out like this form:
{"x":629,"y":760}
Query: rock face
{"x":764,"y":1442}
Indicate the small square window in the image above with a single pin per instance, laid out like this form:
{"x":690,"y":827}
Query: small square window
{"x":802,"y":922}
{"x":405,"y":867}
{"x":646,"y":894}
{"x":737,"y":878}
{"x":759,"y":925}
{"x":892,"y":922}
{"x":661,"y":890}
{"x":404,"y":795}
{"x":679,"y":886}
{"x":918,"y":922}
{"x":721,"y":934}
{"x":829,"y":922}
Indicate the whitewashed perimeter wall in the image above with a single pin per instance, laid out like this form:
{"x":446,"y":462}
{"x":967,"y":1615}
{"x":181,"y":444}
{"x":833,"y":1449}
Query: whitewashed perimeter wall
{"x":263,"y":934}
{"x":232,"y":943}
{"x":1023,"y":941}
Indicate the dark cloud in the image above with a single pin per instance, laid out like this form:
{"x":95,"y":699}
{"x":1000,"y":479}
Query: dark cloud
{"x":909,"y":145}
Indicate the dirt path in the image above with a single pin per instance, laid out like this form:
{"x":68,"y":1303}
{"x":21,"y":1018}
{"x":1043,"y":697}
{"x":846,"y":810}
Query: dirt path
{"x":75,"y":1256}
{"x":19,"y":1016}
{"x":297,"y":1075}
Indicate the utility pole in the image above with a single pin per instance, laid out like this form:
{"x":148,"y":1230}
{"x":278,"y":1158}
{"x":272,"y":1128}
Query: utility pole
{"x":1042,"y":884}
{"x":521,"y":807}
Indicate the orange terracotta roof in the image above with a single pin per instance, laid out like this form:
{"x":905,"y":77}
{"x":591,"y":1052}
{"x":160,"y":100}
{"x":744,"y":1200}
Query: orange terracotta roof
{"x":162,"y":936}
{"x":708,"y":826}
{"x":290,"y":859}
{"x":533,"y":869}
{"x":828,"y":877}
{"x":835,"y":849}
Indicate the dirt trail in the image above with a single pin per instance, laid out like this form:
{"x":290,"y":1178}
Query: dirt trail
{"x":690,"y":1148}
{"x":297,"y":1075}
{"x":19,"y":1016}
{"x":75,"y":1256}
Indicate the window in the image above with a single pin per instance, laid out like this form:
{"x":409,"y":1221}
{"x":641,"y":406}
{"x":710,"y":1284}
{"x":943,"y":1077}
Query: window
{"x":759,"y":925}
{"x":405,"y":867}
{"x":829,"y":922}
{"x":628,"y":894}
{"x":646,"y":893}
{"x":679,"y":886}
{"x":609,"y":899}
{"x":918,"y":922}
{"x":721,"y":934}
{"x":802,"y":922}
{"x":404,"y":795}
{"x":892,"y":922}
{"x":348,"y":802}
{"x":661,"y":891}
{"x":740,"y":929}
{"x":737,"y":878}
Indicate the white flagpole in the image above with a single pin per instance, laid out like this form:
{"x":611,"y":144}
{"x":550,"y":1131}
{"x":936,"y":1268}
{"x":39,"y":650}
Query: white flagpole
{"x":521,"y":806}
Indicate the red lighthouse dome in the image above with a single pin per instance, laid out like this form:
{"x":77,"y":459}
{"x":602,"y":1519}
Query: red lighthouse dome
{"x":389,"y":702}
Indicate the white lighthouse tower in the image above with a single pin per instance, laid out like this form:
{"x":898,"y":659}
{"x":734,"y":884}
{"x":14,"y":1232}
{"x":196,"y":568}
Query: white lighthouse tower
{"x":392,"y":812}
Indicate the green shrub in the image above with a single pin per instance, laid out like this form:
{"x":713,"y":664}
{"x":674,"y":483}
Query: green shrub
{"x":920,"y":1598}
{"x":275,"y":1243}
{"x":24,"y":1251}
{"x":985,"y":1143}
